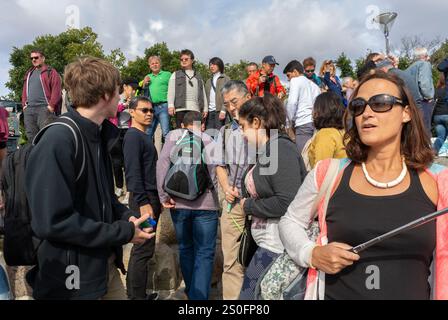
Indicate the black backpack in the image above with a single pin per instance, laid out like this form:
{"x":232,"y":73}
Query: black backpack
{"x":188,"y":177}
{"x":20,"y":244}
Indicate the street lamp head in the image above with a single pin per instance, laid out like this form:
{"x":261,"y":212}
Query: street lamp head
{"x":386,"y":21}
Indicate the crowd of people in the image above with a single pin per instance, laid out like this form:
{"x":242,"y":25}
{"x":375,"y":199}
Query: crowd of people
{"x":243,"y":158}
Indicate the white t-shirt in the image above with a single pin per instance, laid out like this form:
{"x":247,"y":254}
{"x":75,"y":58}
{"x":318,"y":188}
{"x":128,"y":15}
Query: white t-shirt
{"x":212,"y":104}
{"x":302,"y":95}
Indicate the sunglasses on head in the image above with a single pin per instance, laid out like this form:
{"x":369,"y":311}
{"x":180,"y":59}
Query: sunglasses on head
{"x":146,"y":110}
{"x":380,"y":103}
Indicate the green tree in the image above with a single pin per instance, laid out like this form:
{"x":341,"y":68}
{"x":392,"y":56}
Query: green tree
{"x":59,"y":50}
{"x":237,"y":71}
{"x":345,"y":65}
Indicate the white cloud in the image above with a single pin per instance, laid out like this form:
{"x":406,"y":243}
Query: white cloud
{"x":231,"y":29}
{"x":155,"y":25}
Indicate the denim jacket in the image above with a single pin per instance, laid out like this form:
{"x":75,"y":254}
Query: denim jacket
{"x":422,"y":72}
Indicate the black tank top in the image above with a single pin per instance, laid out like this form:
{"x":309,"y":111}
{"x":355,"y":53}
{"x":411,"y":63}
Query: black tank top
{"x":397,"y":268}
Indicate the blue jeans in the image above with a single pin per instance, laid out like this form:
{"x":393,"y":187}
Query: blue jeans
{"x":196,"y":233}
{"x":441,"y":123}
{"x":160,"y":116}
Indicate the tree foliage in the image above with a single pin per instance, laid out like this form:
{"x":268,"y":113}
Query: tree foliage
{"x":345,"y":65}
{"x":59,"y":51}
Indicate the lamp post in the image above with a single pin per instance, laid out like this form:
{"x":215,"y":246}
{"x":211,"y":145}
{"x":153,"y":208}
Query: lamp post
{"x":386,"y":21}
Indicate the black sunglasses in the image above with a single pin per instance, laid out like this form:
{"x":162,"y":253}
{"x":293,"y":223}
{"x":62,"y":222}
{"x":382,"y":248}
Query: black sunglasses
{"x":34,"y":58}
{"x":380,"y":103}
{"x":310,"y":71}
{"x":146,"y":110}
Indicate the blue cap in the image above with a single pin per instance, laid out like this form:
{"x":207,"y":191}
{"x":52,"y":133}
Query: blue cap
{"x":269,"y":60}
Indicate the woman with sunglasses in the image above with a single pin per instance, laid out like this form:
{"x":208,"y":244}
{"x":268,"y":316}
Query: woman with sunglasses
{"x":388,"y":181}
{"x":331,"y":80}
{"x":140,"y":160}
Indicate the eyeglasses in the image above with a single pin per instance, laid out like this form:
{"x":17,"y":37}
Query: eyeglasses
{"x":310,"y":71}
{"x":34,"y":58}
{"x":380,"y":103}
{"x":232,"y":102}
{"x":146,"y":110}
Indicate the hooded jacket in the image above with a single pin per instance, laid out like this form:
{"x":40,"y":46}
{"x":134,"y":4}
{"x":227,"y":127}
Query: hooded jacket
{"x":80,"y":224}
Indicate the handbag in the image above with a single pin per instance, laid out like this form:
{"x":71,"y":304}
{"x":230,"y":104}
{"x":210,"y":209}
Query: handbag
{"x":284,"y":279}
{"x":248,"y":246}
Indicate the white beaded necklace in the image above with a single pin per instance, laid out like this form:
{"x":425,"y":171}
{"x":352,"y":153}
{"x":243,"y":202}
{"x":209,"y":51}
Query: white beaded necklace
{"x":386,"y":185}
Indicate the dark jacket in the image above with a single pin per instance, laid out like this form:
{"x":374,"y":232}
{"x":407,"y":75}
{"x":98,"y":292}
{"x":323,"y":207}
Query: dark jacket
{"x":441,"y":108}
{"x":335,"y":87}
{"x":81,"y":224}
{"x":222,"y":80}
{"x":276,"y":191}
{"x":51,"y":83}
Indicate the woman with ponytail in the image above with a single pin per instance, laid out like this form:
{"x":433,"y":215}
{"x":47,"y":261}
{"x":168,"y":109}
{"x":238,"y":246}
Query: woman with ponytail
{"x":270,"y":184}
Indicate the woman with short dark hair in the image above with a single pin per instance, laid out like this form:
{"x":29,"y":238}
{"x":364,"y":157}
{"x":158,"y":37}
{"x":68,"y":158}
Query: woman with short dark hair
{"x":328,"y":140}
{"x":388,"y":181}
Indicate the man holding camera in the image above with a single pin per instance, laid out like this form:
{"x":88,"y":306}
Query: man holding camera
{"x":265,"y":80}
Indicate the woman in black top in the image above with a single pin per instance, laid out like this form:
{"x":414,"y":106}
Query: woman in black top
{"x":441,"y":113}
{"x":385,"y":185}
{"x":140,"y":158}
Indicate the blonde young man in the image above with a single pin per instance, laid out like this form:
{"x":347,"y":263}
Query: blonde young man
{"x":75,"y":212}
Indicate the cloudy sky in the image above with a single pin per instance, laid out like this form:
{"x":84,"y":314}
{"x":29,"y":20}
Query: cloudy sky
{"x":231,"y":29}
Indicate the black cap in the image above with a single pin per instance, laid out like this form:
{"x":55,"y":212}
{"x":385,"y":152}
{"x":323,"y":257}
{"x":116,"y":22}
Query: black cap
{"x":269,"y":60}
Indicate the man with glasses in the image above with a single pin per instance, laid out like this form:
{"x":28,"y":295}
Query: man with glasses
{"x":309,"y":64}
{"x":42,"y":94}
{"x":186,"y":90}
{"x":140,"y":158}
{"x":231,"y":166}
{"x":157,"y":90}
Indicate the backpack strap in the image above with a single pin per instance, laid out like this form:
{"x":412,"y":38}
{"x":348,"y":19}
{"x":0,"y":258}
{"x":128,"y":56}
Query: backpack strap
{"x":80,"y":153}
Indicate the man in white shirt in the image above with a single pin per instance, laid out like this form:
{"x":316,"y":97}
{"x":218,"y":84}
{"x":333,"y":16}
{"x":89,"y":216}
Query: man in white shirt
{"x":302,"y":94}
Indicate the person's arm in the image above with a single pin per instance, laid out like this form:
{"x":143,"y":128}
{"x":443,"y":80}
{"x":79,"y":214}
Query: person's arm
{"x":298,"y":217}
{"x":206,"y":102}
{"x":293,"y":99}
{"x":324,"y":147}
{"x":133,"y":152}
{"x":425,"y":81}
{"x":163,"y":165}
{"x":284,"y":183}
{"x":56,"y":219}
{"x":252,"y":83}
{"x":172,"y":90}
{"x":293,"y":226}
{"x":280,"y":88}
{"x":56,"y":90}
{"x":25,"y":91}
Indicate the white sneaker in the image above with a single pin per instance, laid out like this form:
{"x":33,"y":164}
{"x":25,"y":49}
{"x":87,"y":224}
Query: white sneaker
{"x":119,"y":192}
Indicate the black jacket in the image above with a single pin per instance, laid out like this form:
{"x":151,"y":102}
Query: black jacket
{"x":277,"y":189}
{"x":81,"y":224}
